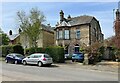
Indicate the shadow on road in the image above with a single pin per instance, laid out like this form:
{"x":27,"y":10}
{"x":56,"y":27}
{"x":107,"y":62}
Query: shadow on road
{"x":51,"y":66}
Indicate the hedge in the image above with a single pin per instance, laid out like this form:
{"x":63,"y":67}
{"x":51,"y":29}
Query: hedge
{"x":32,"y":50}
{"x":57,"y":53}
{"x":6,"y":49}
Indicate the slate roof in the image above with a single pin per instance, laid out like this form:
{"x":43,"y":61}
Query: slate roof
{"x":47,"y":28}
{"x":14,"y":36}
{"x":80,"y":20}
{"x":76,"y":21}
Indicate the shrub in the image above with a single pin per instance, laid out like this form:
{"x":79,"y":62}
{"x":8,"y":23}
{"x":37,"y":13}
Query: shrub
{"x":6,"y":49}
{"x":41,"y":50}
{"x":32,"y":50}
{"x":18,"y":49}
{"x":57,"y":53}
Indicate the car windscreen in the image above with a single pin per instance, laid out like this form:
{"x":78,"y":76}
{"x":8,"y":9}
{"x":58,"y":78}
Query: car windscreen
{"x":79,"y":54}
{"x":47,"y":56}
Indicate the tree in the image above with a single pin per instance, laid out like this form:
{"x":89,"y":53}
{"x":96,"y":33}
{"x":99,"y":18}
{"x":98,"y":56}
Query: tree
{"x":4,"y":38}
{"x":1,"y":31}
{"x":31,"y":24}
{"x":110,"y":41}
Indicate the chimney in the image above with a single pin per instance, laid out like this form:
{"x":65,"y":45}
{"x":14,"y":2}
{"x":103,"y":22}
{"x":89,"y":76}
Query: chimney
{"x":49,"y":25}
{"x":117,"y":14}
{"x":10,"y":32}
{"x":61,"y":16}
{"x":69,"y":16}
{"x":20,"y":30}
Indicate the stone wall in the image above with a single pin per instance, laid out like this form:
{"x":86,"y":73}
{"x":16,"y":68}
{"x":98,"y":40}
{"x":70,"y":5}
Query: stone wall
{"x":48,"y":38}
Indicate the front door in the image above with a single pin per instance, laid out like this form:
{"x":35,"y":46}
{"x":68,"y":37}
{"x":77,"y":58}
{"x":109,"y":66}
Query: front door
{"x":77,"y":48}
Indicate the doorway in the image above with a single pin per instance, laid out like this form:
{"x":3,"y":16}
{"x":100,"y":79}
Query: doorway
{"x":76,"y":48}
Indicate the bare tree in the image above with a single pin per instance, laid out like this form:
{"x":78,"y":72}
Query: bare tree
{"x":31,"y":24}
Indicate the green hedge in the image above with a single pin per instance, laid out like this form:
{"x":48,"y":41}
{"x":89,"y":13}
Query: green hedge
{"x":33,"y":50}
{"x":18,"y":49}
{"x":6,"y":49}
{"x":57,"y":53}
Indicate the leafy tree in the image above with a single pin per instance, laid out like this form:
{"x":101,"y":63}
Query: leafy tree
{"x":1,"y":31}
{"x":31,"y":24}
{"x":4,"y":38}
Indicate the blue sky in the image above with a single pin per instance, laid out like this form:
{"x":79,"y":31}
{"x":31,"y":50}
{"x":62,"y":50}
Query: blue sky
{"x":103,"y":11}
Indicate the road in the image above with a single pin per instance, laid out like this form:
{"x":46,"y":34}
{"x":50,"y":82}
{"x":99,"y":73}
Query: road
{"x":12,"y":72}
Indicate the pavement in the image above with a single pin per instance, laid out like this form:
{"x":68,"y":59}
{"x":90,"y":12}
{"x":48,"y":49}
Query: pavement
{"x":108,"y":66}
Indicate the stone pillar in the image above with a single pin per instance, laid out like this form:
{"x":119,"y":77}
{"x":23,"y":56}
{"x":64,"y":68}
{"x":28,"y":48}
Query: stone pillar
{"x":85,"y":59}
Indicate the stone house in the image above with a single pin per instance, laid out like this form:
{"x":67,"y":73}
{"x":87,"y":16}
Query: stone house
{"x":14,"y":38}
{"x":74,"y":33}
{"x":46,"y":39}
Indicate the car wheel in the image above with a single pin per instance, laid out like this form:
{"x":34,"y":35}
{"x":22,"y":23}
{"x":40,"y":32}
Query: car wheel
{"x":24,"y":62}
{"x":39,"y":64}
{"x":6,"y":61}
{"x":16,"y":62}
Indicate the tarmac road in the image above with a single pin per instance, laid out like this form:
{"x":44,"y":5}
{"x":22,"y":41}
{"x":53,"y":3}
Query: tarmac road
{"x":12,"y":72}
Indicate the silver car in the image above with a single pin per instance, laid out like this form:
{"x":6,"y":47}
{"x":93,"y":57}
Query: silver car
{"x":38,"y":58}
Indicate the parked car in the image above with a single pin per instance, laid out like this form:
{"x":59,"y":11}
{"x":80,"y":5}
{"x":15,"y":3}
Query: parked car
{"x":66,"y":56}
{"x":78,"y":57}
{"x":39,"y":59}
{"x":14,"y":58}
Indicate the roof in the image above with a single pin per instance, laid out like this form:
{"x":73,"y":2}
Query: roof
{"x":80,"y":20}
{"x":76,"y":21}
{"x":64,"y":23}
{"x":47,"y":28}
{"x":14,"y":36}
{"x":44,"y":27}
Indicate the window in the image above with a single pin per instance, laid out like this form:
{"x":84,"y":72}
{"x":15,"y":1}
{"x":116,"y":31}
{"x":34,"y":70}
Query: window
{"x":67,"y":34}
{"x":47,"y":56}
{"x":78,"y":34}
{"x":94,"y":32}
{"x":32,"y":56}
{"x":57,"y":35}
{"x":60,"y":34}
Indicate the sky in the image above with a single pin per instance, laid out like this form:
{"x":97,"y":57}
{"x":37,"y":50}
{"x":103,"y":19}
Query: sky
{"x":102,"y":11}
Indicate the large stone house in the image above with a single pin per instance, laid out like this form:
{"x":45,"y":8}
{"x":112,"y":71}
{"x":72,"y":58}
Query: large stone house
{"x":74,"y":33}
{"x":46,"y":38}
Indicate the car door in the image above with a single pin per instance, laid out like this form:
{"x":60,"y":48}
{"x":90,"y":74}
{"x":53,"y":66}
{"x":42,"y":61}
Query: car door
{"x":30,"y":59}
{"x":35,"y":59}
{"x":11,"y":58}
